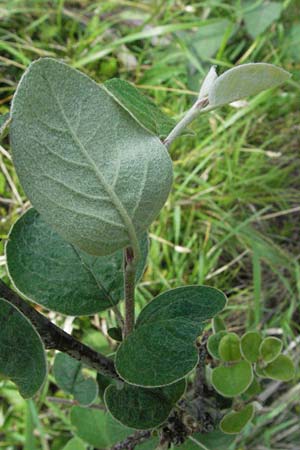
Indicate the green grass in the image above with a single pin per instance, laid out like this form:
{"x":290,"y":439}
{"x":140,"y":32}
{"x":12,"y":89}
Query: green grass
{"x":232,"y":220}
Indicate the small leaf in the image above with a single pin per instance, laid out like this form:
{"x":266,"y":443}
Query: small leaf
{"x":22,"y":355}
{"x":250,"y":343}
{"x":242,"y":81}
{"x":98,"y":428}
{"x":234,"y":422}
{"x":75,"y":444}
{"x":232,"y":380}
{"x":270,"y":348}
{"x":142,"y":408}
{"x":214,"y":440}
{"x":163,"y":341}
{"x":140,"y":107}
{"x":218,"y":324}
{"x":57,"y":275}
{"x":68,"y":376}
{"x":258,"y":17}
{"x":213,"y":344}
{"x":229,"y":347}
{"x":208,"y":81}
{"x":282,"y":369}
{"x":254,"y":389}
{"x":115,"y":333}
{"x":95,"y":175}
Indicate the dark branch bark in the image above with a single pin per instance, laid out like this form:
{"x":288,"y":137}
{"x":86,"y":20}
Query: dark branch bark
{"x":55,"y":338}
{"x":132,"y":441}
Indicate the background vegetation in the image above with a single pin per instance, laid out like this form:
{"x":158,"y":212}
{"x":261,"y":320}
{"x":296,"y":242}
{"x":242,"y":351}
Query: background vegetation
{"x":232,"y":220}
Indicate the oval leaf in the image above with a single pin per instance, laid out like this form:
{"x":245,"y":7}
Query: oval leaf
{"x":142,"y":408}
{"x":96,"y":176}
{"x":229,"y":347}
{"x":57,"y":275}
{"x":282,"y":369}
{"x":270,"y":348}
{"x":234,"y":422}
{"x":242,"y":81}
{"x":213,"y":344}
{"x":218,"y":324}
{"x":68,"y":376}
{"x":161,"y":350}
{"x":250,"y":343}
{"x":22,"y":355}
{"x":75,"y":444}
{"x":232,"y":380}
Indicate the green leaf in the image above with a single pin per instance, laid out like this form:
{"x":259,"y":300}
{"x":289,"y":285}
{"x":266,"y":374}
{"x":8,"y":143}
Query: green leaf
{"x":140,"y":107}
{"x":254,"y":389}
{"x":22,"y":355}
{"x":75,"y":444}
{"x":270,"y":348}
{"x":282,"y":369}
{"x":213,"y":344}
{"x":229,"y":347}
{"x":94,"y":174}
{"x":163,"y":341}
{"x":98,"y":428}
{"x":234,"y":422}
{"x":68,"y":376}
{"x":242,"y":81}
{"x":142,"y":408}
{"x":250,"y":343}
{"x":214,"y":440}
{"x":232,"y":380}
{"x":218,"y":324}
{"x":55,"y":274}
{"x":258,"y":17}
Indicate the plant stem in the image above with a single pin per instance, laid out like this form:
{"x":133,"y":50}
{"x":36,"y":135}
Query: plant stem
{"x":129,"y":287}
{"x":55,"y":338}
{"x":200,"y":106}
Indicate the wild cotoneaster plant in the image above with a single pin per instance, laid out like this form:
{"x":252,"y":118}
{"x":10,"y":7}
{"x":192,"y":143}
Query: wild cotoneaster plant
{"x":93,"y":161}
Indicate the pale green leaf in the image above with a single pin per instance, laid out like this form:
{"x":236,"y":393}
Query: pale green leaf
{"x":75,"y":444}
{"x":142,"y":408}
{"x":250,"y":343}
{"x":282,"y":369}
{"x":22,"y":355}
{"x":218,"y":324}
{"x":57,"y":275}
{"x":213,"y":343}
{"x":235,"y":421}
{"x":69,"y":377}
{"x":258,"y":17}
{"x":229,"y":347}
{"x":270,"y":348}
{"x":94,"y":174}
{"x":214,"y":440}
{"x":163,"y":341}
{"x":233,"y":380}
{"x":242,"y":81}
{"x":140,"y":107}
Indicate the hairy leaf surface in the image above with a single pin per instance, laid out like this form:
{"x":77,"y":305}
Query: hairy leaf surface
{"x":53,"y":273}
{"x":95,"y":175}
{"x":161,"y":350}
{"x":22,"y":355}
{"x":142,"y":408}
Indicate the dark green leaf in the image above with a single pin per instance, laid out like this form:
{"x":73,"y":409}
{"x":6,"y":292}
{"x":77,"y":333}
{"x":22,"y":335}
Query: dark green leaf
{"x":55,"y":274}
{"x":250,"y":343}
{"x":270,"y":348}
{"x":95,"y":175}
{"x":142,"y":408}
{"x":234,"y":422}
{"x":163,"y":342}
{"x":140,"y":107}
{"x":233,"y":380}
{"x":115,"y":333}
{"x":22,"y":355}
{"x":68,"y":376}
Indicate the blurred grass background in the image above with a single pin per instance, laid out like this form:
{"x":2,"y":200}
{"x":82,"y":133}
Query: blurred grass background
{"x":232,"y":220}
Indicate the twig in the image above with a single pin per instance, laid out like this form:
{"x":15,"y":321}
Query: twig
{"x":129,"y":286}
{"x":132,"y":441}
{"x":55,"y":338}
{"x":68,"y":402}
